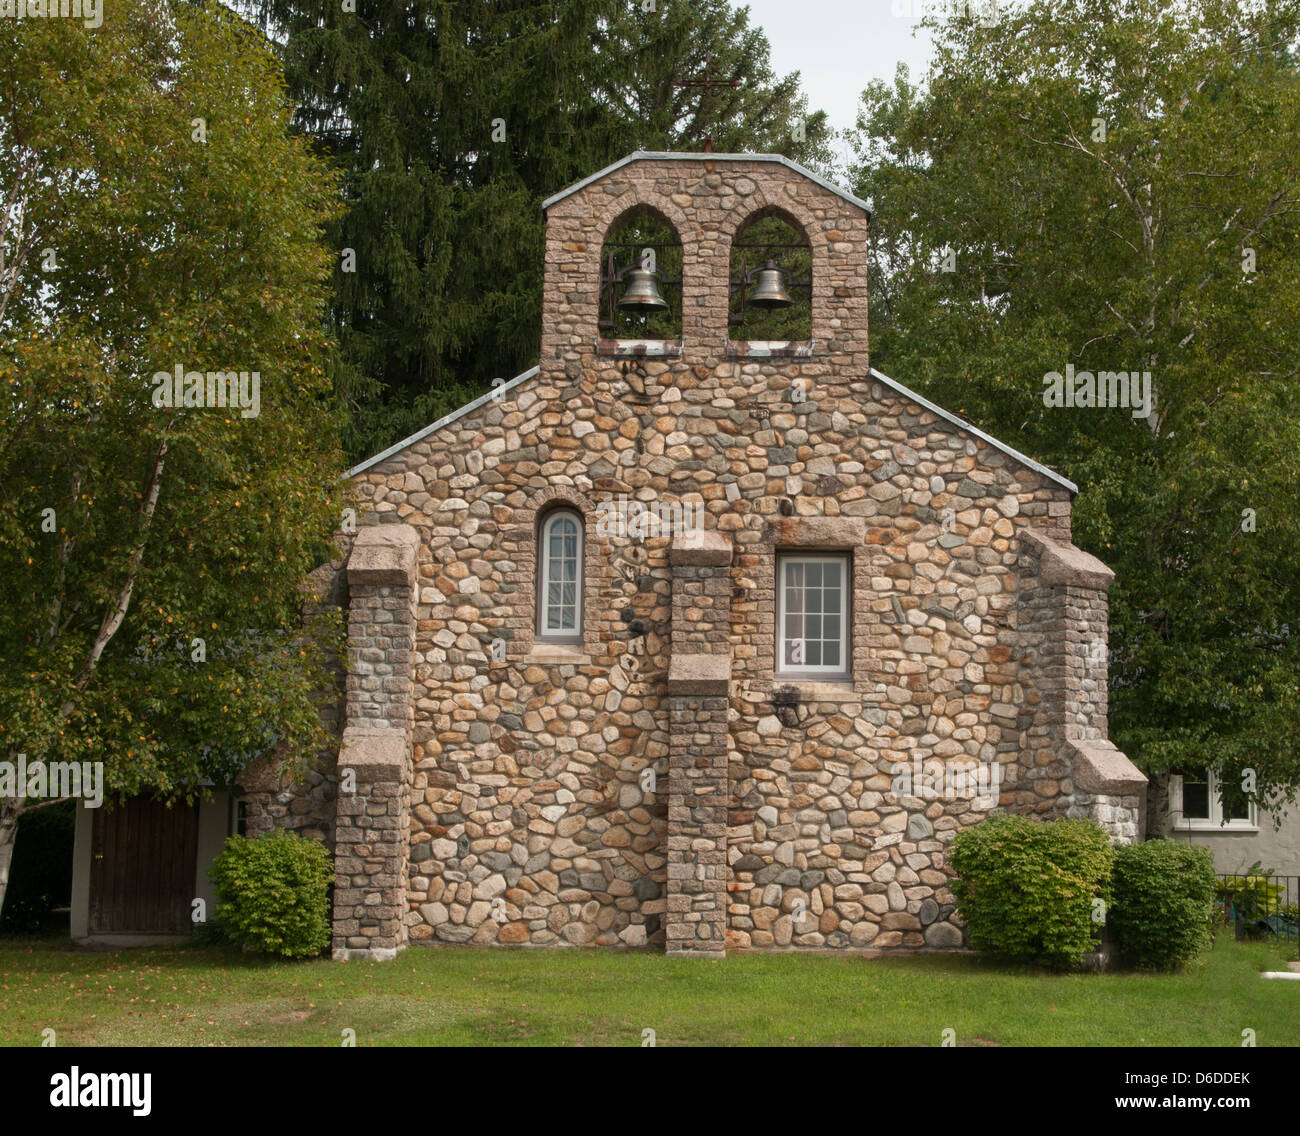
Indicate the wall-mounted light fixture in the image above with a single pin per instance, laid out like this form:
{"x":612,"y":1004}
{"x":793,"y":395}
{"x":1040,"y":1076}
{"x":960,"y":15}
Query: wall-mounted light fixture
{"x":785,"y":705}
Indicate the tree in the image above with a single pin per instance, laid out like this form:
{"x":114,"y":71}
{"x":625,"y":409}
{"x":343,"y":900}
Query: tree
{"x":1114,"y":187}
{"x":452,"y":121}
{"x":159,"y":215}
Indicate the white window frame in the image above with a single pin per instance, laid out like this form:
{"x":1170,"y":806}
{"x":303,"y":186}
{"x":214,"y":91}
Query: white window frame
{"x":1214,"y":822}
{"x":543,"y":632}
{"x":844,"y":671}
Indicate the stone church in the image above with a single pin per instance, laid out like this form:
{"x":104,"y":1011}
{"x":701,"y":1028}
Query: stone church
{"x":692,"y":638}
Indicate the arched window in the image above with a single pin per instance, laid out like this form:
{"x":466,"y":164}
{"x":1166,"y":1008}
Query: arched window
{"x":559,"y":577}
{"x":771,"y":280}
{"x":640,"y":242}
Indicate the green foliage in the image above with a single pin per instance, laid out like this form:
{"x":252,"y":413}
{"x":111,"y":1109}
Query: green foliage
{"x":1025,"y":888}
{"x":749,"y":251}
{"x":165,"y":525}
{"x":644,"y":230}
{"x":451,"y":123}
{"x":1124,"y":251}
{"x":273,"y":894}
{"x":1253,"y":896}
{"x":1163,"y":902}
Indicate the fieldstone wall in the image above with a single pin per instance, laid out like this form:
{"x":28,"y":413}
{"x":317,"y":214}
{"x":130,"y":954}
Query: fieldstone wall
{"x":1076,"y":771}
{"x":810,"y":808}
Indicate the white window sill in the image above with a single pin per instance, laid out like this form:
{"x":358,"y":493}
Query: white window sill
{"x":1207,"y":826}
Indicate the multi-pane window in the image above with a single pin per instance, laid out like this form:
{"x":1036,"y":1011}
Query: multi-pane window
{"x":1208,"y":802}
{"x":559,"y":592}
{"x":812,"y":615}
{"x":1196,"y":795}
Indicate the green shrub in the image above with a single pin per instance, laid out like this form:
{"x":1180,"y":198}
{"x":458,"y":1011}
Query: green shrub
{"x":1025,"y":888}
{"x":273,"y":894}
{"x":1163,"y":908}
{"x":1252,"y":896}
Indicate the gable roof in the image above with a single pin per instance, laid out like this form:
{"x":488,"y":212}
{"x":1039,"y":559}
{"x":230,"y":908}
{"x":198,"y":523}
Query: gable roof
{"x":445,"y":420}
{"x":532,"y":372}
{"x":672,"y":156}
{"x":1037,"y":467}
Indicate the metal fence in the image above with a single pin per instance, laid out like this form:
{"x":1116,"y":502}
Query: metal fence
{"x":1259,"y":906}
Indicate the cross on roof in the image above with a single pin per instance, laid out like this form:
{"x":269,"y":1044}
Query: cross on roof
{"x":708,"y":82}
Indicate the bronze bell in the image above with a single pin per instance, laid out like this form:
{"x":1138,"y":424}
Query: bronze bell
{"x":770,"y":291}
{"x":641,"y":294}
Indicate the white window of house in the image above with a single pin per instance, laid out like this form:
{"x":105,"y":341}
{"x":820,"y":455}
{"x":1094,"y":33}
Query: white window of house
{"x":1198,"y":801}
{"x":812,"y":615}
{"x":559,"y":591}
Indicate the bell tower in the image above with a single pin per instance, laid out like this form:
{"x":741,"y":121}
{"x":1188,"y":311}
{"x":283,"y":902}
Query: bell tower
{"x":683,"y":287}
{"x":708,"y":202}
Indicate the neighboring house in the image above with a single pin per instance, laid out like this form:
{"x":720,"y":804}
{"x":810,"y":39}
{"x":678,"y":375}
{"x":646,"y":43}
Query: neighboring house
{"x":1237,"y":833}
{"x":693,"y":638}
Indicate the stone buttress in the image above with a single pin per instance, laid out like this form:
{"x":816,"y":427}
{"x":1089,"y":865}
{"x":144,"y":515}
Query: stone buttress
{"x":698,"y":678}
{"x":372,"y":834}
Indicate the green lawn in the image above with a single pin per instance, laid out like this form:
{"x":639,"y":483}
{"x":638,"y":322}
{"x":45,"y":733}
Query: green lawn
{"x":468,"y":996}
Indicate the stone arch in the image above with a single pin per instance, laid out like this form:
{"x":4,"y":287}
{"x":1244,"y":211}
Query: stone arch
{"x":633,"y":201}
{"x":761,"y":210}
{"x":615,"y":223}
{"x":520,"y":543}
{"x":752,"y":206}
{"x":758,"y":206}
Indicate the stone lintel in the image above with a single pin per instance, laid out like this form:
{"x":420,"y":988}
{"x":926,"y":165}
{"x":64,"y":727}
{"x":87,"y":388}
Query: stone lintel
{"x":384,"y":554}
{"x":1064,"y":564}
{"x":818,"y":532}
{"x":1100,"y":768}
{"x":701,"y":548}
{"x":375,"y":753}
{"x":699,"y":675}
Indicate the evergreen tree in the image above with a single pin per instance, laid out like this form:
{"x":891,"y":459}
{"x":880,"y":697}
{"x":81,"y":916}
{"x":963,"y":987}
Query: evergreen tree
{"x":452,"y":120}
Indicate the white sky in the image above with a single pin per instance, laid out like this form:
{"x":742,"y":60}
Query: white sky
{"x":839,"y":46}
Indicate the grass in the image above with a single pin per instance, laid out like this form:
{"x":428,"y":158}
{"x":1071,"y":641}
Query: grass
{"x":475,"y":996}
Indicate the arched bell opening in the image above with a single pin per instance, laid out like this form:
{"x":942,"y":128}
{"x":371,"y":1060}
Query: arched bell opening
{"x":641,"y":278}
{"x":771,"y":281}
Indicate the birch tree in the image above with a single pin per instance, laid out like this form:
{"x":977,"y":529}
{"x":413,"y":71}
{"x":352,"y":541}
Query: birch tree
{"x":157,"y":214}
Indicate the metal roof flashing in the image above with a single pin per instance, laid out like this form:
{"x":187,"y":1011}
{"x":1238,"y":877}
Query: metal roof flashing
{"x":1037,"y":467}
{"x":673,"y":156}
{"x":893,"y":384}
{"x":445,"y":420}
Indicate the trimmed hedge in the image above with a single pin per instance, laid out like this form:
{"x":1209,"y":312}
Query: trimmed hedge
{"x":273,"y":894}
{"x":1025,"y":888}
{"x":1163,"y":908}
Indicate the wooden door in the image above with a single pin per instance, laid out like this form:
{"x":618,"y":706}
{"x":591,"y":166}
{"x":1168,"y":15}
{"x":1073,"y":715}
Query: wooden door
{"x":142,"y":868}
